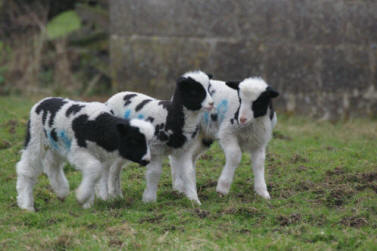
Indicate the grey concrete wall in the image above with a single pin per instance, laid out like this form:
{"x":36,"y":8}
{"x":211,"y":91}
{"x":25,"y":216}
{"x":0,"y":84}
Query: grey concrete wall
{"x":320,"y":54}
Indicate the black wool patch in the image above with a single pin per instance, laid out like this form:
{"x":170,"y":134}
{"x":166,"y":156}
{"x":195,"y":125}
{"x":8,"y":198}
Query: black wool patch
{"x":111,"y":133}
{"x":211,"y":90}
{"x":271,"y":111}
{"x":238,"y":109}
{"x":261,"y":104}
{"x":214,"y":116}
{"x":160,"y":133}
{"x":142,"y":104}
{"x":190,"y":93}
{"x":27,"y":139}
{"x":53,"y":134}
{"x":73,"y":109}
{"x":175,"y":122}
{"x":164,"y":103}
{"x":195,"y":132}
{"x":236,"y":115}
{"x":150,"y":119}
{"x":207,"y":142}
{"x":127,"y":98}
{"x":52,"y":106}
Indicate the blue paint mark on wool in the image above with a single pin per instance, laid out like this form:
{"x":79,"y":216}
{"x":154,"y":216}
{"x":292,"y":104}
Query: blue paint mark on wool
{"x":67,"y":142}
{"x":53,"y":143}
{"x":221,"y":109}
{"x":140,"y":116}
{"x":127,"y":114}
{"x":206,"y":117}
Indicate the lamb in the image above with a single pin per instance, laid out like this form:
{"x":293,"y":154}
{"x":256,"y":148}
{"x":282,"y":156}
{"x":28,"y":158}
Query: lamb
{"x":87,"y":135}
{"x":242,"y":121}
{"x":176,"y":124}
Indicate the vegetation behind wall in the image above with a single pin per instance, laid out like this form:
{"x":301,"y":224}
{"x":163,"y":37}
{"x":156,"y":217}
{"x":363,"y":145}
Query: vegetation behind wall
{"x":54,"y":47}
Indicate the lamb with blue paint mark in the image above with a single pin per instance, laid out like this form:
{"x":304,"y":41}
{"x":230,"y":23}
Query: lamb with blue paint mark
{"x":87,"y":135}
{"x":176,"y":124}
{"x":242,"y":121}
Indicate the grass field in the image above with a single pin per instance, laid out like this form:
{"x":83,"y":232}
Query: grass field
{"x":322,"y":178}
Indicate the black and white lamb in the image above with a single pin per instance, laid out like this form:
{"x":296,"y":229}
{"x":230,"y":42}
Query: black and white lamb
{"x":176,"y":124}
{"x":242,"y":121}
{"x":87,"y":135}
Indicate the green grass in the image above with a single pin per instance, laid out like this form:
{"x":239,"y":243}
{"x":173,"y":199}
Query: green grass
{"x":322,"y":178}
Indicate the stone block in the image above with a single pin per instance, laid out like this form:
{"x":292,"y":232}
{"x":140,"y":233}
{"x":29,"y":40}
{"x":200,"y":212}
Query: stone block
{"x":152,"y":65}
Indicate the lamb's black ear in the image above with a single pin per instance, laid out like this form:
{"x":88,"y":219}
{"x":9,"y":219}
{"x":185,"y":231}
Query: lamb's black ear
{"x":122,"y":128}
{"x":272,"y":93}
{"x":210,"y":76}
{"x":233,"y":84}
{"x":182,"y":80}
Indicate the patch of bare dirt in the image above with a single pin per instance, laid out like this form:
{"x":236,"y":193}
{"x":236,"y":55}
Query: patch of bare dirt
{"x":152,"y":219}
{"x":201,"y":213}
{"x":242,"y":211}
{"x":11,"y":125}
{"x":115,"y":243}
{"x":280,"y":135}
{"x":298,"y":158}
{"x":336,"y":171}
{"x":123,"y":229}
{"x":354,"y":221}
{"x":339,"y":195}
{"x":288,"y":220}
{"x":211,"y":183}
{"x":4,"y":144}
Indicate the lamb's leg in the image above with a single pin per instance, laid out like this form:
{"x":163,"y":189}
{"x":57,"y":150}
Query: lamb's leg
{"x":114,"y":186}
{"x":102,"y":186}
{"x":189,"y":179}
{"x":196,"y":150}
{"x":91,"y":169}
{"x":153,"y":174}
{"x":258,"y":157}
{"x":233,"y":155}
{"x":28,"y":169}
{"x":184,"y":165}
{"x":53,"y":167}
{"x":175,"y":175}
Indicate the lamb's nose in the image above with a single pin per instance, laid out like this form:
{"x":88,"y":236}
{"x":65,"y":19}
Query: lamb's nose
{"x":210,"y":105}
{"x":243,"y":120}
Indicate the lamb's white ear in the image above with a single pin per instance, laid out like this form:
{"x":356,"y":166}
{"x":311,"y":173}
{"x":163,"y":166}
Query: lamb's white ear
{"x":233,"y":84}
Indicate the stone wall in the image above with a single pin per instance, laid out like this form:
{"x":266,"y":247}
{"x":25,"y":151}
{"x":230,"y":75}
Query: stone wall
{"x":320,"y":54}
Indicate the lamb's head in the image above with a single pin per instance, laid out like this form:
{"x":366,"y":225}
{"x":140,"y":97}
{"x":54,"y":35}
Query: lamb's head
{"x":192,"y":91}
{"x":255,"y":97}
{"x":134,"y":138}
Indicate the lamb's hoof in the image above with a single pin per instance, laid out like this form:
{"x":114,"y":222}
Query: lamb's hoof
{"x":87,"y":205}
{"x":148,"y":198}
{"x":220,"y":195}
{"x":223,"y":187}
{"x":115,"y":196}
{"x":102,"y":196}
{"x":178,"y":188}
{"x":263,"y":193}
{"x":25,"y":207}
{"x":197,"y":202}
{"x":29,"y":209}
